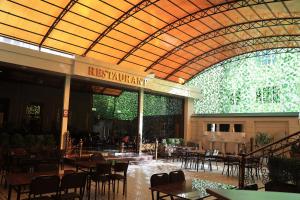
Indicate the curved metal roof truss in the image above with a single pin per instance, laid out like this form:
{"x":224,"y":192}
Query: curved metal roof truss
{"x":171,"y":38}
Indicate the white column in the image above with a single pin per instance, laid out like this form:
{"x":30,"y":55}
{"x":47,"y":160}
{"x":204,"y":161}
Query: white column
{"x":65,"y":114}
{"x":188,"y":111}
{"x":140,"y":119}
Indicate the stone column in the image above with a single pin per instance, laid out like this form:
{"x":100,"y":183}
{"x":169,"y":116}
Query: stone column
{"x":140,"y":120}
{"x":64,"y":125}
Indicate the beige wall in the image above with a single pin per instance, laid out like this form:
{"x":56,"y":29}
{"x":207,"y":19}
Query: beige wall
{"x":277,"y":126}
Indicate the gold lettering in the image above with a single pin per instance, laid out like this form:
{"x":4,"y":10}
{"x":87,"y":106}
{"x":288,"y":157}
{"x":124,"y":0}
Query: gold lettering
{"x":133,"y":80}
{"x":91,"y":71}
{"x":139,"y":81}
{"x":115,"y":76}
{"x":126,"y":79}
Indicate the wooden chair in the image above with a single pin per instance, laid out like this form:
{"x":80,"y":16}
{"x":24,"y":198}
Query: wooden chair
{"x":176,"y":176}
{"x":43,"y":188}
{"x":101,"y":175}
{"x":120,"y":174}
{"x":156,"y":180}
{"x":72,"y":181}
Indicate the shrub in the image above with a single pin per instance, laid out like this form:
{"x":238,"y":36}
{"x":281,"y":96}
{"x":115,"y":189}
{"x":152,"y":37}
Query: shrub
{"x":262,"y":139}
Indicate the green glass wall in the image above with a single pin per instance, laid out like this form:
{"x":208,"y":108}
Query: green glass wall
{"x":251,"y":83}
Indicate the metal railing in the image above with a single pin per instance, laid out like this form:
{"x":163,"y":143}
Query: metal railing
{"x":278,"y":148}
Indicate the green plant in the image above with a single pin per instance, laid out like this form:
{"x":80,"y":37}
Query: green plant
{"x":17,"y":140}
{"x":262,"y":139}
{"x":295,"y":148}
{"x":4,"y":142}
{"x":284,"y":170}
{"x":29,"y":140}
{"x":49,"y":141}
{"x":170,"y":141}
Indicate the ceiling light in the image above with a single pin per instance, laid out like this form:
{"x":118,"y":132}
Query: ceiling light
{"x":151,"y":75}
{"x":181,"y":80}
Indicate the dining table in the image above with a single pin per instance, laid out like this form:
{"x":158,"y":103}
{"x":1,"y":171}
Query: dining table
{"x":191,"y":189}
{"x":225,"y":194}
{"x":18,"y":180}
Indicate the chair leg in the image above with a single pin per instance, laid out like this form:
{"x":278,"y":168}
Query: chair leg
{"x":152,"y":195}
{"x":118,"y":187}
{"x":124,"y":186}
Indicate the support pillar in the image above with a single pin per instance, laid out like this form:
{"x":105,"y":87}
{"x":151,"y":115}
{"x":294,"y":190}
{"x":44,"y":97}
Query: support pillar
{"x":188,"y":111}
{"x":65,"y":117}
{"x":140,"y":120}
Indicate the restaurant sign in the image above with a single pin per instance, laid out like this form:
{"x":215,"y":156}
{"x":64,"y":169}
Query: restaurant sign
{"x":115,"y":76}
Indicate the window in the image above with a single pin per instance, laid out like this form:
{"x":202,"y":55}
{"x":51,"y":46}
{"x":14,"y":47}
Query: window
{"x":267,"y":59}
{"x":224,"y":127}
{"x":33,"y":117}
{"x":238,"y":128}
{"x":235,"y":97}
{"x":268,"y":95}
{"x":212,"y":127}
{"x":33,"y":112}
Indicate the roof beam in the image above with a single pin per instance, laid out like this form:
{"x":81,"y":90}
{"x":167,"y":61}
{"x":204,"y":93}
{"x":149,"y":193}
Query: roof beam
{"x":239,"y":44}
{"x":220,"y":8}
{"x":251,"y":54}
{"x":228,"y":30}
{"x":58,"y":18}
{"x":138,"y":7}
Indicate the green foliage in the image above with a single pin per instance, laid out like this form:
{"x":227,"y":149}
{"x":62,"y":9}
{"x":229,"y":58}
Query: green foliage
{"x":125,"y":106}
{"x":250,"y":84}
{"x":29,"y":140}
{"x":262,"y":139}
{"x":49,"y":140}
{"x":4,"y":142}
{"x":295,"y":148}
{"x":17,"y":140}
{"x":284,"y":170}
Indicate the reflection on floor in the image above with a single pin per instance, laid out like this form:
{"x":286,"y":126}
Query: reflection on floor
{"x":139,"y":179}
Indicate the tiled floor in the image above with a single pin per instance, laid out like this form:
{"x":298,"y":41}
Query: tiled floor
{"x":139,"y":179}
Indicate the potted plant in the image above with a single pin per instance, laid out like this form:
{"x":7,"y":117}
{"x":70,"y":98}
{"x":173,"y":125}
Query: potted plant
{"x":262,"y":139}
{"x":295,"y":150}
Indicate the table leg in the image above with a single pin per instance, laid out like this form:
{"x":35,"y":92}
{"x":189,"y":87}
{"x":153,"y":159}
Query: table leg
{"x":18,"y":192}
{"x":228,"y":169}
{"x":9,"y":192}
{"x":89,"y":188}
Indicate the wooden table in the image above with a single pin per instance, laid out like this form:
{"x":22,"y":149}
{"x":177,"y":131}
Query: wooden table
{"x":223,"y":194}
{"x":183,"y":190}
{"x":17,"y":180}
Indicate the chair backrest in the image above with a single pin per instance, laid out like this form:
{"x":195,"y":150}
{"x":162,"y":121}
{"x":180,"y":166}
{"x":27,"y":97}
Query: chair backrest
{"x":103,"y":168}
{"x":47,"y":167}
{"x":73,"y":180}
{"x":159,"y":179}
{"x":121,"y":167}
{"x":176,"y":176}
{"x":97,"y":157}
{"x":215,"y":152}
{"x":207,"y":153}
{"x":250,"y":187}
{"x":44,"y":185}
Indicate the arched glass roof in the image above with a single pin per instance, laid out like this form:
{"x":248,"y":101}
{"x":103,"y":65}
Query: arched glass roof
{"x":175,"y":39}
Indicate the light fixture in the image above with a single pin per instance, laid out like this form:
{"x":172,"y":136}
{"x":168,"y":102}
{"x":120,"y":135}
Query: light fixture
{"x":181,"y":80}
{"x":151,"y":75}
